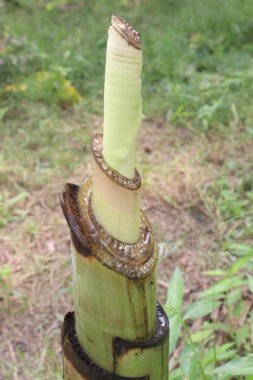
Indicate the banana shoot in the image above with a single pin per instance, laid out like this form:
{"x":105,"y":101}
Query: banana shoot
{"x":117,"y":330}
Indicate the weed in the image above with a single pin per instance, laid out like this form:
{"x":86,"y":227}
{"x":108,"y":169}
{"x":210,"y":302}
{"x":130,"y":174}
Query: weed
{"x":223,"y":310}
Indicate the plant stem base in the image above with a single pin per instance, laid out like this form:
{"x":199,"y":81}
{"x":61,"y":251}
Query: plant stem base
{"x":78,"y":366}
{"x":117,"y":331}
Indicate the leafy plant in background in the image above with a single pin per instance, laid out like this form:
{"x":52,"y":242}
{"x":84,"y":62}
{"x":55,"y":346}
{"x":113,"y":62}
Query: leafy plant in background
{"x":8,"y":207}
{"x":234,"y":203}
{"x":208,"y":99}
{"x":215,"y":332}
{"x":48,"y":87}
{"x":5,"y":282}
{"x":194,"y":70}
{"x":18,"y":56}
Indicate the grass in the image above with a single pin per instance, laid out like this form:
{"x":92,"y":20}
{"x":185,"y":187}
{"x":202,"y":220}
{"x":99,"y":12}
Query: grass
{"x":195,"y":149}
{"x":197,"y":60}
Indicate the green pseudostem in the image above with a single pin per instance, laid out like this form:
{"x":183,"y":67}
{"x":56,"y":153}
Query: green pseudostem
{"x":117,"y":210}
{"x":122,"y":103}
{"x":117,"y":330}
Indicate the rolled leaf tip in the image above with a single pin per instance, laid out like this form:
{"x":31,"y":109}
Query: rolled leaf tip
{"x":126,"y":31}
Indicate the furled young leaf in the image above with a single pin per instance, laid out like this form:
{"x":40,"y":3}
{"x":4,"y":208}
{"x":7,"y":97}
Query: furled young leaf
{"x":200,"y":308}
{"x":236,"y":367}
{"x":175,"y":329}
{"x":175,"y":291}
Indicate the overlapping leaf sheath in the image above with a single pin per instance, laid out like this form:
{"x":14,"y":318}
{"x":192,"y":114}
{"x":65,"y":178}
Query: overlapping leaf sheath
{"x":117,"y":331}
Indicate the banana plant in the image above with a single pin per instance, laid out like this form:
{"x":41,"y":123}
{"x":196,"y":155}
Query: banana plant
{"x":117,"y":329}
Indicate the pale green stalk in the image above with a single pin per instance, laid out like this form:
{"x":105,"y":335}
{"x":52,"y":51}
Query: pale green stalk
{"x":115,"y":207}
{"x":117,"y":329}
{"x":122,"y":103}
{"x":118,"y":210}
